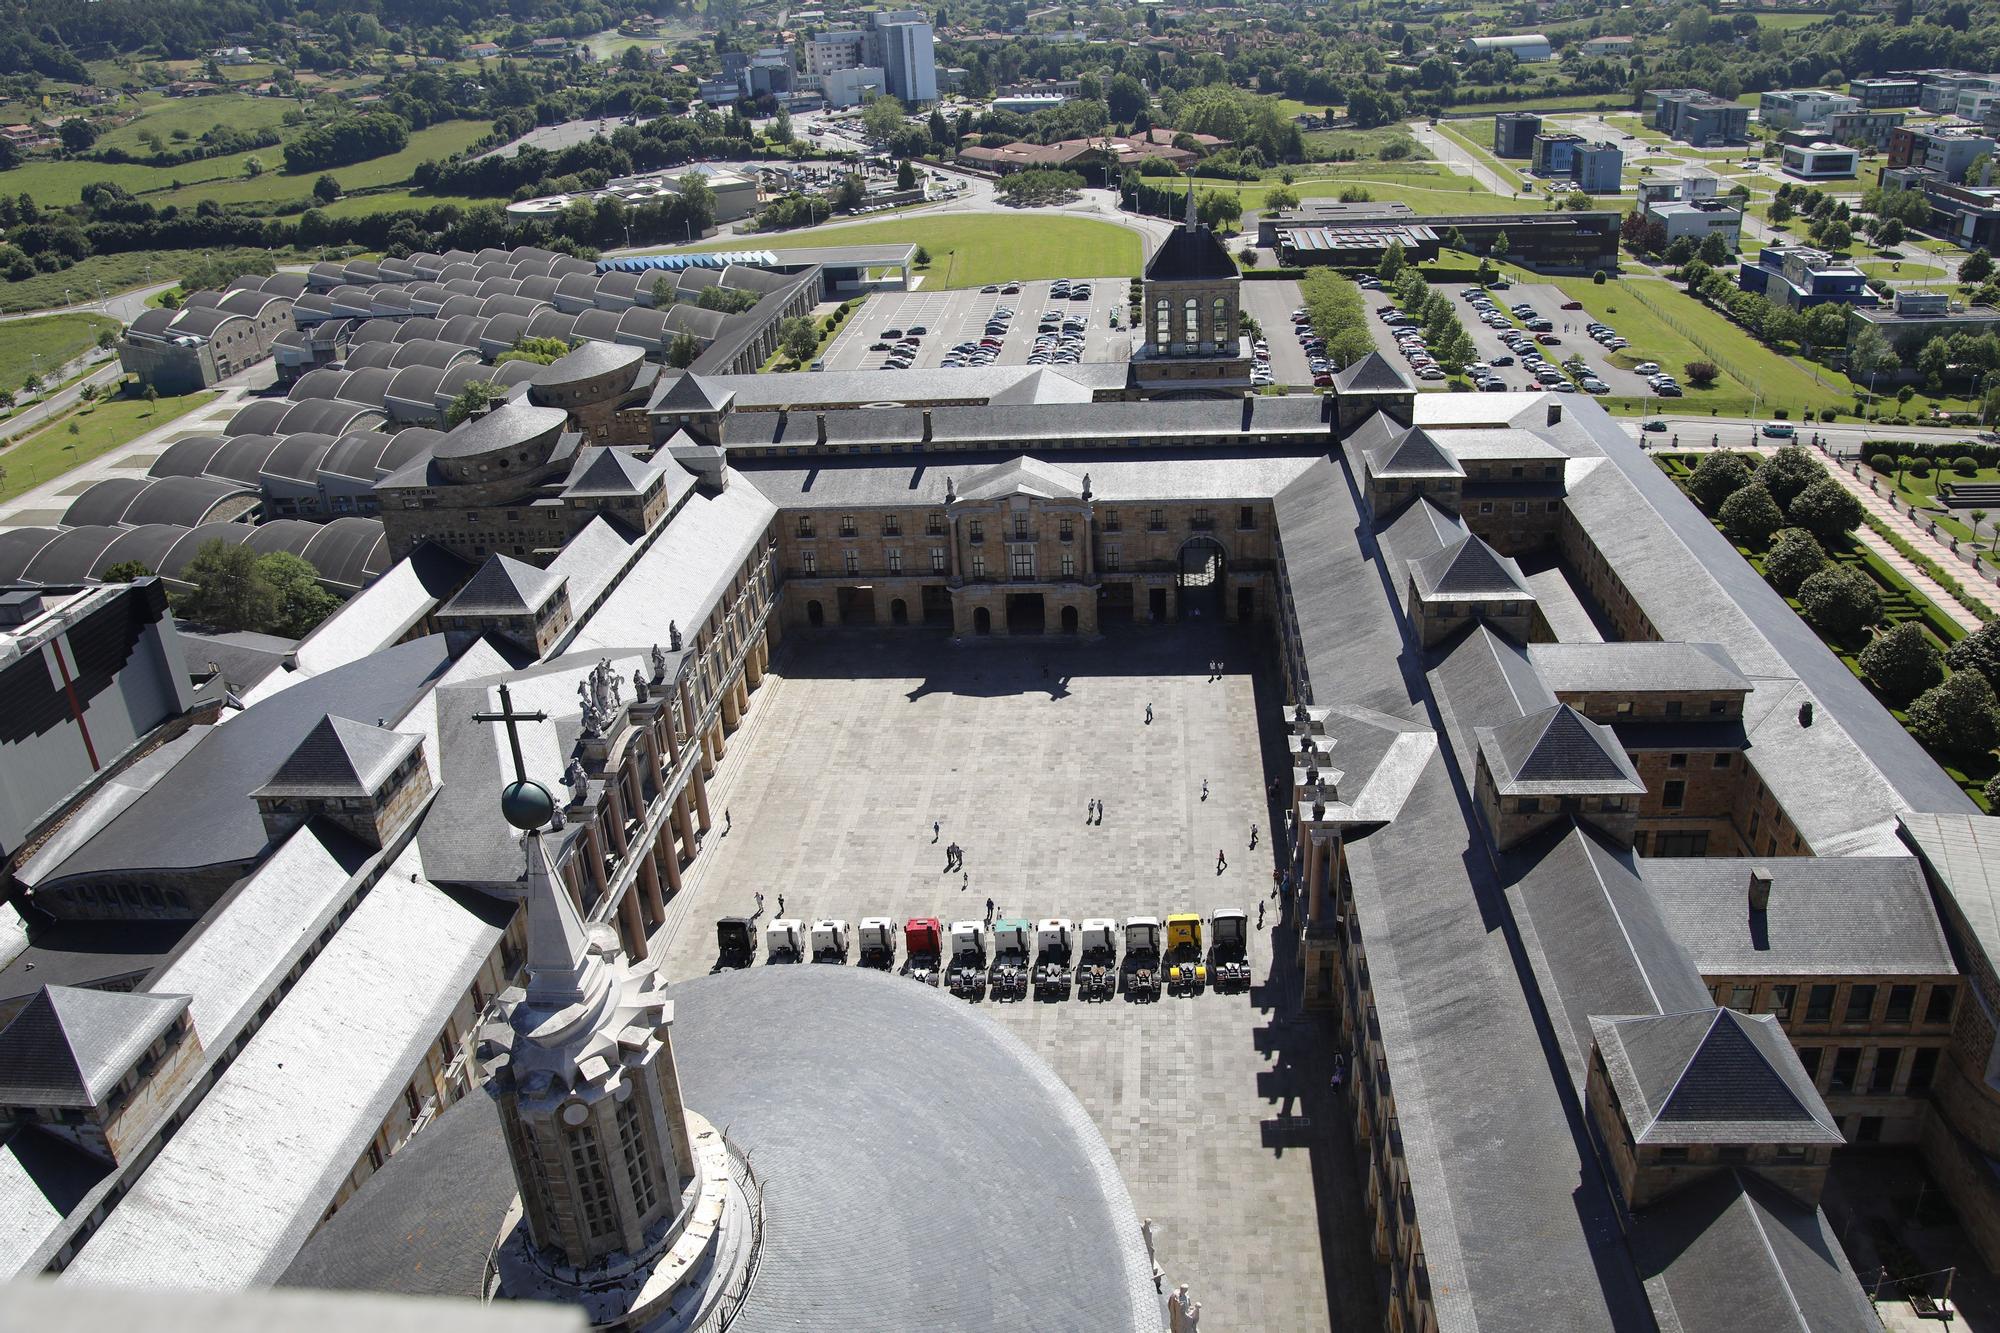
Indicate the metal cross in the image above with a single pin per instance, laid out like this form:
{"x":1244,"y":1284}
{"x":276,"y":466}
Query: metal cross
{"x":508,"y":716}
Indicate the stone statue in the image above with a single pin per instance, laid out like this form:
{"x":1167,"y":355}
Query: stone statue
{"x":593,"y":716}
{"x":950,"y":490}
{"x":578,"y":780}
{"x":1301,"y":720}
{"x":1312,"y":775}
{"x":556,"y":819}
{"x":614,"y":683}
{"x":659,"y":663}
{"x":1086,"y":485}
{"x":674,"y":635}
{"x":638,"y":686}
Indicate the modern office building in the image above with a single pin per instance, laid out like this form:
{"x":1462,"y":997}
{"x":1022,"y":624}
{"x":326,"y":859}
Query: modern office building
{"x":1595,"y":168}
{"x":1802,"y":108}
{"x":1697,"y":117}
{"x":908,"y":56}
{"x":1874,"y":94}
{"x":1800,"y":277}
{"x":1949,"y":150}
{"x":1820,"y":161}
{"x":1514,"y":133}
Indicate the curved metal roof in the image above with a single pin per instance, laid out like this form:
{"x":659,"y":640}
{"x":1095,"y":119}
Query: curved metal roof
{"x":368,"y":386}
{"x":291,"y":535}
{"x":458,"y":273}
{"x":428,"y":352}
{"x":71,"y":556}
{"x":356,"y":455}
{"x":189,"y":501}
{"x":19,"y":547}
{"x":510,"y":305}
{"x":406,"y":446}
{"x":298,"y":457}
{"x":538,"y":289}
{"x":593,"y":360}
{"x":105,"y":501}
{"x":363,"y":270}
{"x":623,"y":286}
{"x":418,"y":326}
{"x":188,"y":457}
{"x":511,"y":373}
{"x":548,"y":323}
{"x":350,"y":552}
{"x":258,"y":418}
{"x":460,"y":304}
{"x":375,"y":330}
{"x":242,"y":459}
{"x":322,"y":383}
{"x":148,"y":545}
{"x":496,"y":285}
{"x":460,"y":374}
{"x":370,"y":356}
{"x":414,"y":389}
{"x":596,"y":325}
{"x":333,"y":417}
{"x":502,"y":332}
{"x":465,"y":330}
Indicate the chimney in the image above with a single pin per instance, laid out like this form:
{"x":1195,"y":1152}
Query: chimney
{"x":1555,"y":414}
{"x":927,"y":425}
{"x":819,"y":421}
{"x":1760,"y":889}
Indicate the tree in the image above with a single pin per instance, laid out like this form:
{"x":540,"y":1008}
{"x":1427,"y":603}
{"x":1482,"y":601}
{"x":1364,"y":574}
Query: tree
{"x":253,"y":166}
{"x":1218,"y":210}
{"x":125,"y":571}
{"x":1714,"y":249}
{"x":1903,"y":662}
{"x":1889,"y":233}
{"x":882,"y":117}
{"x":1279,"y":198}
{"x":1788,"y":472}
{"x":473,"y":400}
{"x":1978,"y":517}
{"x":225,"y":589}
{"x":906,"y":175}
{"x":326,"y":189}
{"x":1781,"y":211}
{"x":1841,"y":600}
{"x":1795,"y":556}
{"x":1978,"y":651}
{"x":1826,"y":509}
{"x":851,"y":193}
{"x":1499,"y":247}
{"x":682,"y":351}
{"x":1393,"y":263}
{"x":799,"y":338}
{"x":1701,"y":374}
{"x":1871,"y":353}
{"x":152,"y":397}
{"x":1956,"y":716}
{"x":1718,"y":476}
{"x":541,"y":351}
{"x":1976,"y":267}
{"x":300,"y":602}
{"x":1750,"y":516}
{"x":77,"y":135}
{"x":1826,"y":325}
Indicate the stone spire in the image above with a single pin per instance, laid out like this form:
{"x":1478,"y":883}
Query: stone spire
{"x":562,"y":971}
{"x":1187,"y":218}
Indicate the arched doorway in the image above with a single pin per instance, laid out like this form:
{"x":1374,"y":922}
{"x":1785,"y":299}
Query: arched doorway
{"x":815,"y":614}
{"x":1069,"y":620}
{"x":899,"y":613}
{"x":982,"y":620}
{"x":1203,"y":564}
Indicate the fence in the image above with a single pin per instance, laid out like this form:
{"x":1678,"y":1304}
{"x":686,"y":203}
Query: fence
{"x":1638,"y":293}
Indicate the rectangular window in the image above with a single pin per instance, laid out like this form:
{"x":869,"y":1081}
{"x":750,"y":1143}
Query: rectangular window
{"x":1732,"y":1152}
{"x":805,"y":525}
{"x":1809,"y":1057}
{"x":976,"y":531}
{"x":1203,"y":519}
{"x":1246,"y":518}
{"x":1530,"y":805}
{"x":1677,"y":761}
{"x":1819,"y":1004}
{"x":1111,"y":520}
{"x":892,"y":526}
{"x":978,"y":566}
{"x":1674,"y":708}
{"x":638,"y":1156}
{"x":1846,"y":1064}
{"x":1020,"y":527}
{"x":809,"y":562}
{"x":1156,"y":519}
{"x":1673,"y":794}
{"x":1722,"y":761}
{"x":934,"y":525}
{"x":847,"y":525}
{"x":1024,"y":564}
{"x":1741,"y":998}
{"x":1111,"y":558}
{"x":1923,"y":1070}
{"x":1781,"y":1001}
{"x":1860,"y":1004}
{"x":1066,"y":529}
{"x":895,"y":561}
{"x":1884,"y":1077}
{"x":1794,"y":1154}
{"x":1069,"y":566}
{"x":1938,"y":1008}
{"x":937,"y":560}
{"x":1902,"y":1003}
{"x":1672,"y":1156}
{"x":851,"y":561}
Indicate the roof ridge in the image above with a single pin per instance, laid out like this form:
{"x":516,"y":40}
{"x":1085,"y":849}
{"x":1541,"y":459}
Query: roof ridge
{"x":1771,"y":1250}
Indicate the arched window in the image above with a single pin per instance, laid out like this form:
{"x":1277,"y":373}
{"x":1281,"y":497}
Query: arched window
{"x":1163,"y":332}
{"x":1191,"y":322}
{"x":1221,"y":331}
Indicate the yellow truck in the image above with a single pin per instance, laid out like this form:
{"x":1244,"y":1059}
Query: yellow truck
{"x":1187,"y":969}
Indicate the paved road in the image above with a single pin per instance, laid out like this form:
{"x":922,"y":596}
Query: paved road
{"x":952,"y":317}
{"x":124,"y":306}
{"x":1447,"y":151}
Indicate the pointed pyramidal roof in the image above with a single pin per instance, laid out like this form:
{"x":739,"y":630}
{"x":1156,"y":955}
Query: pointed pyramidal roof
{"x":1711,"y":1076}
{"x":1373,"y":373}
{"x":339,"y":757}
{"x":1467,"y":571}
{"x":608,"y":472}
{"x":504,"y":586}
{"x":1415,"y":452}
{"x":562,"y":970}
{"x":689,"y":393}
{"x":1557,"y":752}
{"x":68,"y":1047}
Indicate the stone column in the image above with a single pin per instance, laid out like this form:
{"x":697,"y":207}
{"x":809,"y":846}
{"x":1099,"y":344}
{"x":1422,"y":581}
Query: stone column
{"x":731,"y":719}
{"x":707,"y":765}
{"x":717,"y":737}
{"x":649,"y":881}
{"x":631,"y":926}
{"x":701,"y":802}
{"x":614,"y":812}
{"x":742,"y":697}
{"x":635,"y":788}
{"x":1087,"y":534}
{"x":670,"y":859}
{"x":1322,"y":871}
{"x":753,"y":666}
{"x":594,"y":843}
{"x":684,"y":822}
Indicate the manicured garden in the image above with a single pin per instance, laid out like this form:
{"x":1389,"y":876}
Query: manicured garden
{"x":1795,"y":525}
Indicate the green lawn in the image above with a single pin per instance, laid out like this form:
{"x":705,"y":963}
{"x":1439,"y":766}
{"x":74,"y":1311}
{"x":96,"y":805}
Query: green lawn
{"x":114,"y":272}
{"x":391,"y":201}
{"x":163,"y":115}
{"x":1425,"y":187}
{"x":1321,"y":145}
{"x":1466,"y":134}
{"x":973,"y":249}
{"x":101,"y":427}
{"x":1558,"y":102}
{"x":28,"y":346}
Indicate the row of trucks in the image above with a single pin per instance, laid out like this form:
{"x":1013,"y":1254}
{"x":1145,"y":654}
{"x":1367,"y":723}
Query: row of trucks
{"x":1014,"y":958}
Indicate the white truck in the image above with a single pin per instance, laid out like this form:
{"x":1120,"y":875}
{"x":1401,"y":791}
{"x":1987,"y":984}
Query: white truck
{"x":966,"y":973}
{"x":1054,"y":953}
{"x":878,"y":942}
{"x":1097,"y":968}
{"x":1008,"y":979}
{"x":785,"y":940}
{"x":1229,"y":949}
{"x":1142,"y":957}
{"x":829,"y":941}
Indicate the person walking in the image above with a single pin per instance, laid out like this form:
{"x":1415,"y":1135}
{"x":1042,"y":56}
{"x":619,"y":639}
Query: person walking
{"x":989,"y":911}
{"x":1204,"y":789}
{"x":727,"y":822}
{"x":1221,"y":861}
{"x":1253,"y":837}
{"x":760,"y":902}
{"x":937,"y":831}
{"x":1149,"y":714}
{"x":781,"y":904}
{"x":1260,"y":914}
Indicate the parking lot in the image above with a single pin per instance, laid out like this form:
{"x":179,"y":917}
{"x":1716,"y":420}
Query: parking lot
{"x":1271,"y":304}
{"x":1215,"y":1107}
{"x":952,"y":317}
{"x":1548,"y":302}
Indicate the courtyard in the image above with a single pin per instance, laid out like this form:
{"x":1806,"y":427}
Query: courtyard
{"x":1216,"y":1108}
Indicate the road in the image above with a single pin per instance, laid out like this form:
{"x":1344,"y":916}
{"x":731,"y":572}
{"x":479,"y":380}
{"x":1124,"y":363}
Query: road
{"x":1447,"y":151}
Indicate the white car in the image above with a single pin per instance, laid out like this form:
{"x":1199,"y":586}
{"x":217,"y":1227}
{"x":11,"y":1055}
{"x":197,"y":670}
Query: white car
{"x":1647,"y":368}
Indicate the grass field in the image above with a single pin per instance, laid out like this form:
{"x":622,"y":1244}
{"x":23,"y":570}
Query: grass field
{"x":30,"y":346}
{"x":101,"y":427}
{"x":1466,"y":135}
{"x":973,"y":249}
{"x":1425,"y":187}
{"x":1568,"y":102}
{"x":390,"y":201}
{"x":1321,"y":145}
{"x":114,"y":273}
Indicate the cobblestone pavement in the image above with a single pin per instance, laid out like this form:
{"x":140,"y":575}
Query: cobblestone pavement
{"x":1215,"y":1107}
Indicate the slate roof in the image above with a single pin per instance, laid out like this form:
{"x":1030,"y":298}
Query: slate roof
{"x":1557,"y":752}
{"x":1733,"y":1251}
{"x":689,"y":393}
{"x":339,"y":757}
{"x":1373,"y":373}
{"x":68,"y":1047}
{"x":512,"y":425}
{"x":1023,"y":476}
{"x":1962,"y":852}
{"x":1854,"y":916}
{"x":1711,"y":1076}
{"x":1191,"y":254}
{"x":1414,"y":453}
{"x":1470,"y":571}
{"x":1637,"y":667}
{"x":761,"y":1051}
{"x":503,"y":586}
{"x":42,"y":1180}
{"x":609,"y":472}
{"x":589,"y":360}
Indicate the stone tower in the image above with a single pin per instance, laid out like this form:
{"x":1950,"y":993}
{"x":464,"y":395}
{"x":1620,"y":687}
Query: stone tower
{"x":589,"y":1100}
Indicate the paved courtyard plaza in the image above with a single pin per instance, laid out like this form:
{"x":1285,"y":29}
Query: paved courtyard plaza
{"x":1217,"y":1107}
